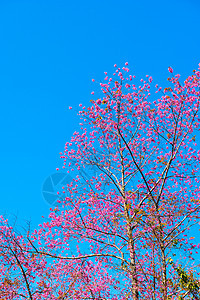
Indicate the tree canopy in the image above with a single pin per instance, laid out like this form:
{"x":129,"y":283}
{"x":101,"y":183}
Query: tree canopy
{"x":126,"y":226}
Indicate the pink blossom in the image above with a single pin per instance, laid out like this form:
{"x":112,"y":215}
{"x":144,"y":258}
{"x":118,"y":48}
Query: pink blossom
{"x":99,"y":101}
{"x":170,"y":70}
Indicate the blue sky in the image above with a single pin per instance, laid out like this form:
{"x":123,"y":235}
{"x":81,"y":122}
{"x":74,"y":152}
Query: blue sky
{"x":50,"y":51}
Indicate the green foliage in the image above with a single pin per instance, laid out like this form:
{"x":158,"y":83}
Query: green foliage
{"x":188,"y":282}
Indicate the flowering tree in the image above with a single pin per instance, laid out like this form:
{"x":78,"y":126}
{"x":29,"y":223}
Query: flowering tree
{"x":126,"y":226}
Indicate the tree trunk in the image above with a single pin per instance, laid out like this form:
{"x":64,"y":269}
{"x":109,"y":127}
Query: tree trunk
{"x":134,"y":288}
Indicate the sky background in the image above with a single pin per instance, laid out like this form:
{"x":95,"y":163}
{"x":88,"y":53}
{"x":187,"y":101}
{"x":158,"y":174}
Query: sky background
{"x":50,"y":51}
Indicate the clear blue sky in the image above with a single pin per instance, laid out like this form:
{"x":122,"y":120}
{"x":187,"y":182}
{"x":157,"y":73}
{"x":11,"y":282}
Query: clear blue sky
{"x":50,"y":51}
